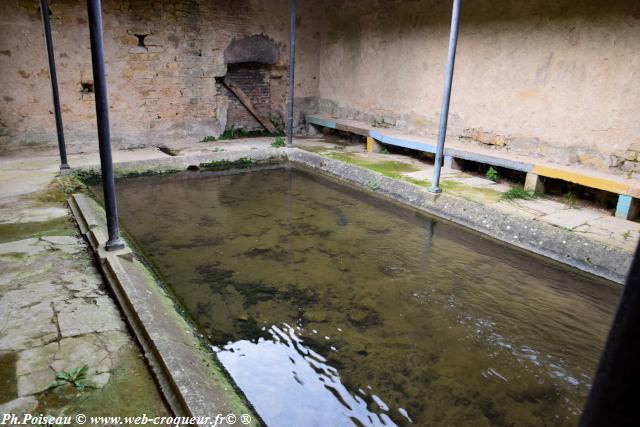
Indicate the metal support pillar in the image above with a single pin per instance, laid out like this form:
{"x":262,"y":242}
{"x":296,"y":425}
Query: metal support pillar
{"x":292,"y":69}
{"x":44,"y":10}
{"x":102,"y":116}
{"x":613,"y":399}
{"x":444,"y":113}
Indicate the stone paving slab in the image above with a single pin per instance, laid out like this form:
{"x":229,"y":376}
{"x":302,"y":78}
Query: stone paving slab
{"x":540,"y":206}
{"x":570,"y":218}
{"x":54,"y":311}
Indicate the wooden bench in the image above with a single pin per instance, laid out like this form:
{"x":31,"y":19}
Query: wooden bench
{"x":628,"y":190}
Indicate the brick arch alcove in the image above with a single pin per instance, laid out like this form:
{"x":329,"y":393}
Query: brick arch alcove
{"x":248,"y":80}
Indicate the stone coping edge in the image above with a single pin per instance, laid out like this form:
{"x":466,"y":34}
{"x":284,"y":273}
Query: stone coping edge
{"x":189,"y":376}
{"x":540,"y":238}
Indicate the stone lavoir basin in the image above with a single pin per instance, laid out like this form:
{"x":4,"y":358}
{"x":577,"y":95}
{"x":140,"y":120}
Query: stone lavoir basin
{"x":330,"y":306}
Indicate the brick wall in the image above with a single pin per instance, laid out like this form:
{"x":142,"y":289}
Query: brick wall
{"x":159,"y":93}
{"x":255,"y":81}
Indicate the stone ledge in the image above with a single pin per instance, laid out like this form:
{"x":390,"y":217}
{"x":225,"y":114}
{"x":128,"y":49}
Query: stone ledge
{"x":190,"y":379}
{"x":569,"y":248}
{"x":180,"y":163}
{"x":543,"y":239}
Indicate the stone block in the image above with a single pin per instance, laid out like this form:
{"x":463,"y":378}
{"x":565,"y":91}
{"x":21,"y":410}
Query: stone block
{"x":628,"y":166}
{"x":453,"y":163}
{"x":627,"y":207}
{"x":484,"y":137}
{"x":534,"y":182}
{"x":373,"y":146}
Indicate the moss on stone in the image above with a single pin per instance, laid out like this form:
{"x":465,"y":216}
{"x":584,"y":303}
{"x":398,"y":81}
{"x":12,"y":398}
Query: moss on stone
{"x":59,"y":189}
{"x":396,"y":170}
{"x":315,"y":148}
{"x":241,"y":163}
{"x":89,"y":177}
{"x":8,"y":380}
{"x":388,"y":168}
{"x":24,"y":230}
{"x":476,"y":194}
{"x":131,"y":391}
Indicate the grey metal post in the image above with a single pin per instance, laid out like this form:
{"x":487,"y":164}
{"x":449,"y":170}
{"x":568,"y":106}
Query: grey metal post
{"x":444,"y":112}
{"x":102,"y":116}
{"x":44,"y":10}
{"x":292,"y":69}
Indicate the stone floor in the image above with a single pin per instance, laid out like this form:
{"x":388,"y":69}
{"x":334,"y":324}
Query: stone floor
{"x":55,"y":313}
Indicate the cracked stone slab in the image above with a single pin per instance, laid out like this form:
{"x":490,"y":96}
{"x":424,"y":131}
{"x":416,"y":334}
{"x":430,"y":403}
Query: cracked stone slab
{"x":62,"y":240}
{"x":84,"y":316}
{"x":29,"y":247}
{"x":36,"y":382}
{"x":569,"y":218}
{"x":511,"y":208}
{"x":540,"y":206}
{"x":477,"y":182}
{"x":42,"y":328}
{"x":21,"y":405}
{"x":30,"y":294}
{"x":33,"y":214}
{"x":36,"y":359}
{"x":87,"y":280}
{"x":98,"y":352}
{"x":36,"y":367}
{"x":617,"y":226}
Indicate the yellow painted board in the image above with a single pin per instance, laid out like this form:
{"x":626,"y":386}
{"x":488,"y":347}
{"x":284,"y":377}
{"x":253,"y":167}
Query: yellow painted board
{"x":369,"y":144}
{"x":586,"y":180}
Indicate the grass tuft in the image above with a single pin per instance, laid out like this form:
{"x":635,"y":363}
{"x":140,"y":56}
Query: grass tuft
{"x":278,"y":142}
{"x":518,"y":193}
{"x":493,"y":174}
{"x":571,"y":200}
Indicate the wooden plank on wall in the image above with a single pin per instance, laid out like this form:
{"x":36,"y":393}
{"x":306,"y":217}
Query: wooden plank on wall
{"x":244,"y":99}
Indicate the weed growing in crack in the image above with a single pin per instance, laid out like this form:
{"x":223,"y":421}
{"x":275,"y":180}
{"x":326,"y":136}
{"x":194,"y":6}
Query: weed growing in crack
{"x":492,"y":174}
{"x":74,"y":376}
{"x":518,"y":193}
{"x":571,"y":200}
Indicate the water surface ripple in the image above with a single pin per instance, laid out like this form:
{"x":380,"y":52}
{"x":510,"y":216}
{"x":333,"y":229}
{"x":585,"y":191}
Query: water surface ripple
{"x":331,"y":307}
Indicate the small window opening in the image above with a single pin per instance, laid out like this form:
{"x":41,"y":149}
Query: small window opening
{"x":87,"y":88}
{"x":141,"y":38}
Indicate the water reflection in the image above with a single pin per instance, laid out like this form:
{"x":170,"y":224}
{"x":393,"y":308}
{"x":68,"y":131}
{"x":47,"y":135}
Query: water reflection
{"x":290,"y":384}
{"x":408,"y":317}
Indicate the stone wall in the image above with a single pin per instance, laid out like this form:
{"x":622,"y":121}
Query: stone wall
{"x":556,"y":79}
{"x":162,"y":56}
